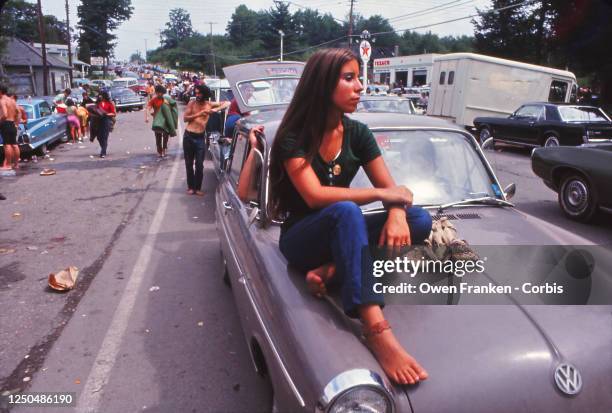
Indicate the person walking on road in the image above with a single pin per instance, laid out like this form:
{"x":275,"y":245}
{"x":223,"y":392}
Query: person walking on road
{"x":107,"y":112}
{"x":194,"y":139}
{"x":165,"y":119}
{"x":9,"y":119}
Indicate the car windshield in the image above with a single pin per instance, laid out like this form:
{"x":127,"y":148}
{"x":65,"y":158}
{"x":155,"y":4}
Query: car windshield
{"x":438,"y":166}
{"x":385,"y":105}
{"x":120,"y":83}
{"x":267,"y":92}
{"x":581,"y":114}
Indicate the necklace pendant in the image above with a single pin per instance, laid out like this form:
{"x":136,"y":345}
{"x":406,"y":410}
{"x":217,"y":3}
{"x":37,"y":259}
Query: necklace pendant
{"x":337,"y":170}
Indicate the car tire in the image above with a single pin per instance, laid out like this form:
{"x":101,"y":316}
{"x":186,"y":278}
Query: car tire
{"x":551,"y":141}
{"x":483,"y":134}
{"x":576,"y":197}
{"x":41,"y":150}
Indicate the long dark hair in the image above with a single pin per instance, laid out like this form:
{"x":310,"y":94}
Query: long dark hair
{"x":306,"y":117}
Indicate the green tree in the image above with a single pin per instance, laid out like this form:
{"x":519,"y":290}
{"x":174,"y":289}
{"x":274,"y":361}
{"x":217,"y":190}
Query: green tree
{"x":178,"y":28}
{"x":244,"y":25}
{"x":20,"y":19}
{"x":98,"y":19}
{"x":84,"y":53}
{"x":506,"y":33}
{"x":279,"y":19}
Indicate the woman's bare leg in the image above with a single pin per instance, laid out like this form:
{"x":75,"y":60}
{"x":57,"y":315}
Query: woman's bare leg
{"x":317,"y":278}
{"x":400,"y":366}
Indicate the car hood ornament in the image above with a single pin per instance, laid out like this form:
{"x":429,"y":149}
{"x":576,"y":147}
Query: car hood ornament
{"x":568,"y":379}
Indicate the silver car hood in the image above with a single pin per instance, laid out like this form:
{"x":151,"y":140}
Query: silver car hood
{"x":496,"y":358}
{"x":480,"y":358}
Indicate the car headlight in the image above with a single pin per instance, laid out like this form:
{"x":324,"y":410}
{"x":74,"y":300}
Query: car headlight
{"x":361,"y":400}
{"x":358,"y":390}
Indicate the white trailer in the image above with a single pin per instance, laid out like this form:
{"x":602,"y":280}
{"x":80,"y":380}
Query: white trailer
{"x":467,"y":85}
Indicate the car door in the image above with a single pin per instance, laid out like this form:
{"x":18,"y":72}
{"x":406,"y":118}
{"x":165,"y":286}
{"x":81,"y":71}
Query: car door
{"x":523,"y":125}
{"x":44,"y":129}
{"x":236,"y":221}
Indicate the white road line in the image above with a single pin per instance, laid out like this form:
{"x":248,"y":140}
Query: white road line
{"x":91,"y":396}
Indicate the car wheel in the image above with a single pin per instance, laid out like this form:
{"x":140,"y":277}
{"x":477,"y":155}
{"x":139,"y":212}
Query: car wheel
{"x":551,"y":141}
{"x":576,"y":198}
{"x":484,"y":134}
{"x":41,"y":150}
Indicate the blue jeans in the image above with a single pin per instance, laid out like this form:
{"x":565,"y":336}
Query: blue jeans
{"x":230,"y":123}
{"x":194,"y":147}
{"x":340,"y":233}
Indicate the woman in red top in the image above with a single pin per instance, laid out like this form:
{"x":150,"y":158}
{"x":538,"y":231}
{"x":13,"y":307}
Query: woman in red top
{"x":106,"y":109}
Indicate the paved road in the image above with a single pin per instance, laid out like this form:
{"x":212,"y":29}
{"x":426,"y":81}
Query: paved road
{"x":151,"y":326}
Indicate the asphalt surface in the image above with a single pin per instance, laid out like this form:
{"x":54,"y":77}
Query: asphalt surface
{"x":150,"y":325}
{"x":150,"y":305}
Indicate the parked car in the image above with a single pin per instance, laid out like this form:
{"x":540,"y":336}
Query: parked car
{"x":81,"y":81}
{"x":389,"y":103}
{"x":312,"y":353}
{"x":102,"y":83}
{"x":128,"y":82}
{"x":43,"y":127}
{"x":581,"y":176}
{"x":126,"y":99}
{"x":547,"y":124}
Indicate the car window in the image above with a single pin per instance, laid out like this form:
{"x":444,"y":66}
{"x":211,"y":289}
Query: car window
{"x":29,"y":110}
{"x":267,"y":91}
{"x":442,"y":77}
{"x":558,"y":91}
{"x":45,"y":109}
{"x":451,"y":77}
{"x":529,"y":111}
{"x":438,"y":166}
{"x":578,"y":114}
{"x":237,"y":156}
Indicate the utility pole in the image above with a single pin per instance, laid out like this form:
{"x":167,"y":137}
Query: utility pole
{"x":145,"y":52}
{"x":282,"y":35}
{"x":350,"y":29}
{"x":69,"y":42}
{"x":43,"y":45}
{"x":211,"y":48}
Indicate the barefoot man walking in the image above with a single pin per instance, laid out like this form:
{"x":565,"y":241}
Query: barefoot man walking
{"x":9,"y":119}
{"x":194,"y":139}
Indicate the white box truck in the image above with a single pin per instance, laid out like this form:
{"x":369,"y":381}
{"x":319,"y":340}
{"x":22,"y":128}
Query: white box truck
{"x":467,"y":85}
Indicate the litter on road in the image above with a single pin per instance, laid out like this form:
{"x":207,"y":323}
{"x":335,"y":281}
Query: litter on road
{"x":47,"y":172}
{"x":64,"y":280}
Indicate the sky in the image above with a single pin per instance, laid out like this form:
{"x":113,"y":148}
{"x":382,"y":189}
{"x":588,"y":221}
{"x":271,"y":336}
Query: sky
{"x":150,"y":16}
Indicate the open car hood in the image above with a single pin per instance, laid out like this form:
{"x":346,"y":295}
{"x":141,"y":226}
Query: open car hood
{"x":270,"y":92}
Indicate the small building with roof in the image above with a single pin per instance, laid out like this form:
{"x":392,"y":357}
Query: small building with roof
{"x":23,"y":66}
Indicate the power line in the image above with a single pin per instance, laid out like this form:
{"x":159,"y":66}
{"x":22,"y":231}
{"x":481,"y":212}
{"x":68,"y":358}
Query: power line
{"x":524,"y":3}
{"x":421,"y":11}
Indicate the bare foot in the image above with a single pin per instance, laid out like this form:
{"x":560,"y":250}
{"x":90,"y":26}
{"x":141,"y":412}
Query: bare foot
{"x":400,"y":366}
{"x":317,"y":278}
{"x":199,"y":193}
{"x":190,"y":192}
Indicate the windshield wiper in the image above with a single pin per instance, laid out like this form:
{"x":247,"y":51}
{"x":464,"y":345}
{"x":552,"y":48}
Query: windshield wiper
{"x":485,"y":200}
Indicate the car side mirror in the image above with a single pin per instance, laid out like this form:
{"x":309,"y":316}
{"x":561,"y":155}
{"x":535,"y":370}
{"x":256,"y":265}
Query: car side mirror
{"x":510,"y":190}
{"x":254,"y":177}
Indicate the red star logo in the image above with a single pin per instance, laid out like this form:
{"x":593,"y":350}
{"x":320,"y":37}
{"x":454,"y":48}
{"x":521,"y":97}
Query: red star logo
{"x":365,"y":50}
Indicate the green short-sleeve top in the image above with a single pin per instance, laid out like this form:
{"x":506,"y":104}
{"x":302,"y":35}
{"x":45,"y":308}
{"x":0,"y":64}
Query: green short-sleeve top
{"x":358,"y":148}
